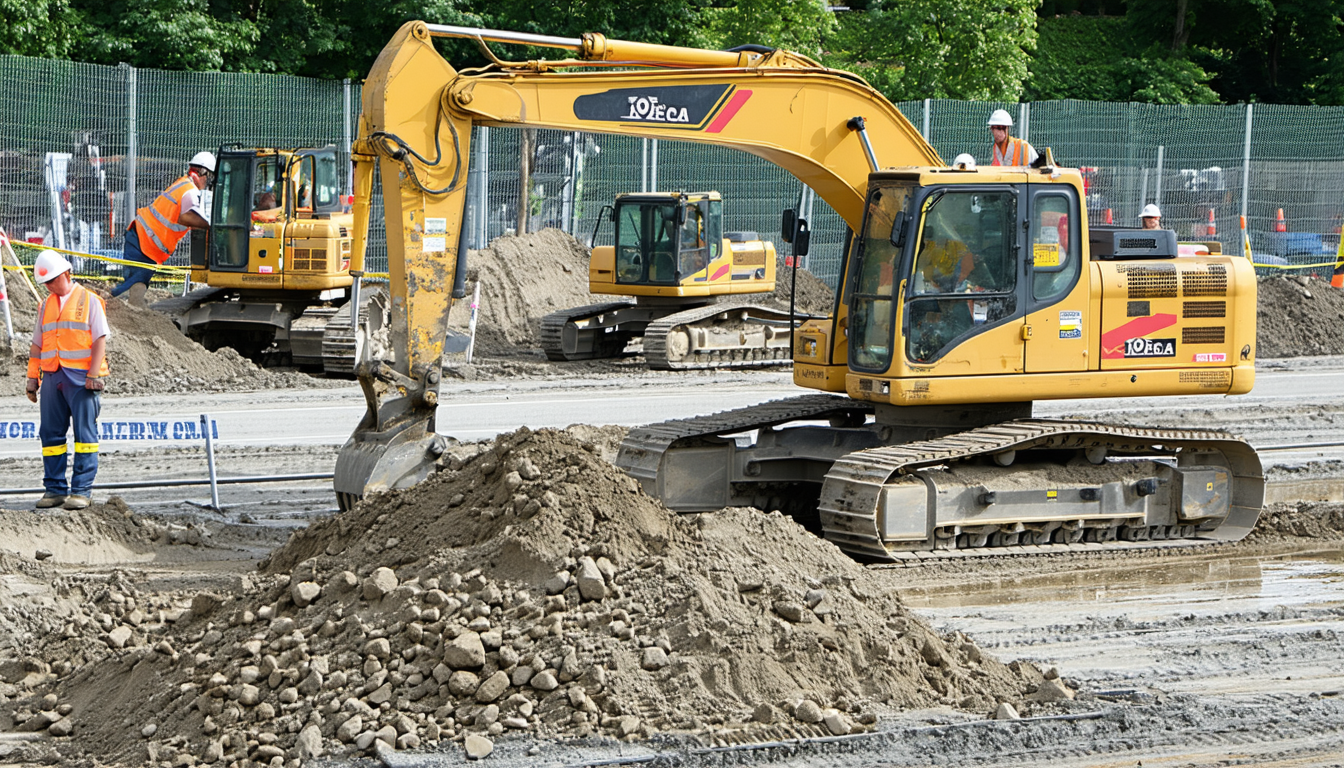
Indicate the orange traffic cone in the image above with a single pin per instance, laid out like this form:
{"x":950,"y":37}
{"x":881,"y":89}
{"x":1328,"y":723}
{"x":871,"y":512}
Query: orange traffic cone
{"x":1337,"y":279}
{"x":1213,"y":226}
{"x":1109,"y":220}
{"x":1279,"y":224}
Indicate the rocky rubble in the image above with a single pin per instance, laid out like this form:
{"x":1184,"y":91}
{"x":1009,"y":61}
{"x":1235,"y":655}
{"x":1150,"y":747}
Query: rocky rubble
{"x":528,"y":588}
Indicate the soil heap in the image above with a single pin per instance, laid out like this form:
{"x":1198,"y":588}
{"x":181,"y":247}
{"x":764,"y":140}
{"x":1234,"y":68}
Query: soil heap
{"x":529,"y":587}
{"x":147,"y":354}
{"x":1299,"y":317}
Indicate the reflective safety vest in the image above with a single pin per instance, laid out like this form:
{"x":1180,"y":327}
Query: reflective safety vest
{"x":67,"y":336}
{"x":1016,"y":154}
{"x":157,"y":223}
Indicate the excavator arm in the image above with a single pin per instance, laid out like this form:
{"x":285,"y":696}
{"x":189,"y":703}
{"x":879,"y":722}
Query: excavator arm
{"x":415,"y":133}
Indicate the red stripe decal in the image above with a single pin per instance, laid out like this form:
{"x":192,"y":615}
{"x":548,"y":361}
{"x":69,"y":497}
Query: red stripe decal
{"x":720,"y":272}
{"x":1113,"y":341}
{"x":734,"y":104}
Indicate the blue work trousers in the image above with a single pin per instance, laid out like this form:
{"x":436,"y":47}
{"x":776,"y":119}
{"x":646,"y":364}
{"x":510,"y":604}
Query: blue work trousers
{"x":131,"y":252}
{"x":64,"y":401}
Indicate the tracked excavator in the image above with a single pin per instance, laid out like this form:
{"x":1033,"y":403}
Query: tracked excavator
{"x":671,"y":254}
{"x":966,"y":294}
{"x":275,"y":268}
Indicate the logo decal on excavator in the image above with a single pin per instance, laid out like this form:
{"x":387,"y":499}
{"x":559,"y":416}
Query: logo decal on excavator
{"x":687,"y":107}
{"x":1118,"y":343}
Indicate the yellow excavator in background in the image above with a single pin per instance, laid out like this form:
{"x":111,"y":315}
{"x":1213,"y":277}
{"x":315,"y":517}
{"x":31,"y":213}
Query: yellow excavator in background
{"x":276,"y":267}
{"x":672,"y":255}
{"x":965,"y":294}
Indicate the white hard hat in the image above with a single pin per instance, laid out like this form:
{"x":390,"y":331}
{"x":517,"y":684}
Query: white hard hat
{"x":49,"y":264}
{"x":964,"y":162}
{"x":204,"y":159}
{"x":1150,"y":211}
{"x":1001,"y":117}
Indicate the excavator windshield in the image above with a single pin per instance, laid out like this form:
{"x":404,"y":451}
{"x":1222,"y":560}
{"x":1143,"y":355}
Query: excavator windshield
{"x":885,"y":227}
{"x":245,"y":183}
{"x":646,"y":243}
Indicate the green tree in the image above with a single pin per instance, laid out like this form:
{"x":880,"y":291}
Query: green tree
{"x":1097,"y":58}
{"x":42,"y":28}
{"x":795,"y":25}
{"x":957,"y":49}
{"x":165,"y":34}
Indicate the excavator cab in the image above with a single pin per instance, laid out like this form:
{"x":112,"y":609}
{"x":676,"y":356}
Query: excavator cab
{"x":276,"y":261}
{"x":668,"y":239}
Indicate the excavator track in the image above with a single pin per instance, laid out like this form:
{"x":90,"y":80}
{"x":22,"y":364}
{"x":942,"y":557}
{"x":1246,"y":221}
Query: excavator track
{"x":587,"y":327}
{"x":852,"y":492}
{"x":719,"y":336}
{"x":180,"y":305}
{"x":907,"y":487}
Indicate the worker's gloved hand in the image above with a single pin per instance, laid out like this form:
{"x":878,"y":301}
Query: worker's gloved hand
{"x":93,"y":384}
{"x":32,"y":390}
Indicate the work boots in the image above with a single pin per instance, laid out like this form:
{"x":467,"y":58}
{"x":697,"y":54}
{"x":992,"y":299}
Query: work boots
{"x":135,"y":295}
{"x":50,"y":500}
{"x":76,"y":501}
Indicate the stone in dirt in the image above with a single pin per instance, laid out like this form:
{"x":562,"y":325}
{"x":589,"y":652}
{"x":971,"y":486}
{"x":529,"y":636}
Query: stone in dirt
{"x":478,"y":747}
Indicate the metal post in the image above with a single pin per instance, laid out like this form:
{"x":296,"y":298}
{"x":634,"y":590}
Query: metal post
{"x":1143,"y":190}
{"x":131,"y":148}
{"x":653,"y":166}
{"x":356,"y":277}
{"x":567,"y":201}
{"x":471,"y":323}
{"x":928,"y":103}
{"x":643,"y":165}
{"x":210,"y":461}
{"x":579,"y":161}
{"x":345,"y":135}
{"x":483,"y":192}
{"x":1246,"y":165}
{"x":1157,"y":195}
{"x":4,"y":297}
{"x":1024,"y":117}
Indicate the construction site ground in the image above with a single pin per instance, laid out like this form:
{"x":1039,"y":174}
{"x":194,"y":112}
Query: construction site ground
{"x":530,"y":595}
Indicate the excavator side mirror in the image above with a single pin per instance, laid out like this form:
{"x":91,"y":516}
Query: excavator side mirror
{"x":898,"y":228}
{"x":802,"y":237}
{"x":788,"y":224}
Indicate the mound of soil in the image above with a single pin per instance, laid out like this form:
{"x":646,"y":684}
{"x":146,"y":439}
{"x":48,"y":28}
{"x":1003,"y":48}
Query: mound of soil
{"x":1300,"y":520}
{"x":1299,"y":317}
{"x":147,"y":354}
{"x":528,"y":587}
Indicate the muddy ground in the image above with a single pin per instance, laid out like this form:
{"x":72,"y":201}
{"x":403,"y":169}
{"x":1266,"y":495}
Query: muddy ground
{"x":531,"y":602}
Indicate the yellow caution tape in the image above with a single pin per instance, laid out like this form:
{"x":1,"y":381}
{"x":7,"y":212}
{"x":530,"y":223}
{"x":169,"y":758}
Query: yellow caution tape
{"x":1331,"y":264}
{"x":107,"y":259}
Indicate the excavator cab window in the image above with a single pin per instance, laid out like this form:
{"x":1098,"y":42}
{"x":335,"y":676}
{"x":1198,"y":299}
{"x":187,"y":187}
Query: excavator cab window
{"x":965,"y":270}
{"x":694,"y":255}
{"x":715,"y":219}
{"x":1054,"y":243}
{"x":316,"y":183}
{"x":242,"y":182}
{"x":646,"y":243}
{"x":872,"y":302}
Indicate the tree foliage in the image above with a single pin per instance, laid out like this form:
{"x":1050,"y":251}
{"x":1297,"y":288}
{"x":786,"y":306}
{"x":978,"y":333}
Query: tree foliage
{"x":1094,"y":58}
{"x":958,"y":49}
{"x":1164,"y":51}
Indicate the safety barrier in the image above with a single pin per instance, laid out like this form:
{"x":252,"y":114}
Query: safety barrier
{"x":153,"y":430}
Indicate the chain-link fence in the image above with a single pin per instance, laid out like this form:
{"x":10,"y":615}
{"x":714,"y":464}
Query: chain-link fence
{"x":71,"y":133}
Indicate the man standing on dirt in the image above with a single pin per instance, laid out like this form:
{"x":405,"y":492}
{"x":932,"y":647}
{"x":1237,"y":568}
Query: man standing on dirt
{"x":153,"y":236}
{"x":68,"y":362}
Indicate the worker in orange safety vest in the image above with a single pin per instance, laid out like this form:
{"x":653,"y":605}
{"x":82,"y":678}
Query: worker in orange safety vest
{"x":68,"y":363}
{"x":1006,"y":149}
{"x":154,"y":234}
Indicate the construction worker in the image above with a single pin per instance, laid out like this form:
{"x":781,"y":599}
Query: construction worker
{"x":1151,"y":217}
{"x":68,"y":362}
{"x":1006,"y":149}
{"x":153,"y":235}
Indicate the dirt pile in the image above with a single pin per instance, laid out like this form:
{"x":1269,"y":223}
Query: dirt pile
{"x":528,"y":588}
{"x":1299,"y":317}
{"x":147,"y":354}
{"x":1302,"y":520}
{"x":524,"y":278}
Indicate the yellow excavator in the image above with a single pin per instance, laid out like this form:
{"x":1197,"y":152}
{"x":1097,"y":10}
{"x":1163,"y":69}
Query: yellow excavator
{"x":966,"y":294}
{"x":670,"y":252}
{"x":276,"y":271}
